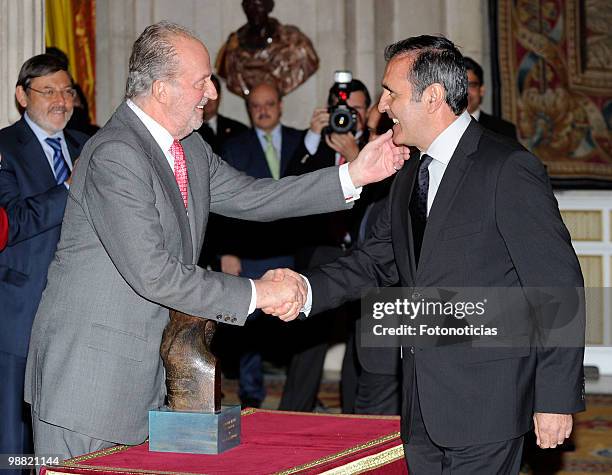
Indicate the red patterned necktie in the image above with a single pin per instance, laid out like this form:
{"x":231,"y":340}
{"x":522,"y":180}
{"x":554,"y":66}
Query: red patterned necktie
{"x":180,"y":168}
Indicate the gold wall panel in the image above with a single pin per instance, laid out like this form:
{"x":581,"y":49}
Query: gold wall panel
{"x":592,"y":270}
{"x":594,"y":332}
{"x":584,"y":225}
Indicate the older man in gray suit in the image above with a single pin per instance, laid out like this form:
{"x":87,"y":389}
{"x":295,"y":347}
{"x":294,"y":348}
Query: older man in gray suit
{"x":131,"y":235}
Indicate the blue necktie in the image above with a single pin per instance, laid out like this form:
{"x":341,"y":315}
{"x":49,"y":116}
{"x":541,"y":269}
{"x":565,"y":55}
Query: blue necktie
{"x":418,"y":205}
{"x":60,"y":167}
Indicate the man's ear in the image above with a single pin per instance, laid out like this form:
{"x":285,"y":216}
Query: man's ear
{"x":159,"y":90}
{"x":21,"y":96}
{"x":434,"y":97}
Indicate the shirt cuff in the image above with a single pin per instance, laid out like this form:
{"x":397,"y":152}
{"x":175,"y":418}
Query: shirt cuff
{"x":348,"y":189}
{"x":308,"y":305}
{"x":312,"y":141}
{"x":253,"y":304}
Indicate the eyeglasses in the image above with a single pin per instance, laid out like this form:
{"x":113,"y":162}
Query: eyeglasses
{"x":49,"y":93}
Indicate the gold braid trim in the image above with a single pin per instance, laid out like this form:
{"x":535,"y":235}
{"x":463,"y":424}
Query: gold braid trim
{"x":132,"y":471}
{"x":369,"y":463}
{"x":351,"y":450}
{"x":74,"y":463}
{"x":100,"y":453}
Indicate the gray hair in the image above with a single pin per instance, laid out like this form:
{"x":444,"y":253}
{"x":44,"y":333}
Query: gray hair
{"x":154,"y":57}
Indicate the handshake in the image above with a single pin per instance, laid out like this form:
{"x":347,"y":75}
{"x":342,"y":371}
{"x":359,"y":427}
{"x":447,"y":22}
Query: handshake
{"x":282,"y":293}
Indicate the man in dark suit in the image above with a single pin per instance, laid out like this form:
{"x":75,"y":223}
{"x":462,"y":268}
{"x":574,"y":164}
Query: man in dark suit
{"x":476,"y":91}
{"x":218,"y":129}
{"x":474,"y":210}
{"x":250,"y":249}
{"x":323,"y":239}
{"x":38,"y":154}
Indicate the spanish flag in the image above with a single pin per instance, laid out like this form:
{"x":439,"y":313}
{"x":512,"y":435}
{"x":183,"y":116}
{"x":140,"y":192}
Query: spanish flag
{"x":71,"y":27}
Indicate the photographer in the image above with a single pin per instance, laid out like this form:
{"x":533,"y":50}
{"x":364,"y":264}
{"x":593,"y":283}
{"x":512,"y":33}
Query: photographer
{"x":326,"y":237}
{"x":343,"y":147}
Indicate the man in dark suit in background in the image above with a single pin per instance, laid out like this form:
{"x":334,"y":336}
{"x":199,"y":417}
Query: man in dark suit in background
{"x":249,"y":249}
{"x":218,"y":129}
{"x":474,"y":210}
{"x":37,"y":155}
{"x":476,"y":91}
{"x":323,"y":239}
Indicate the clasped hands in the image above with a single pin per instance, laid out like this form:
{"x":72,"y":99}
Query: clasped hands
{"x":282,"y":293}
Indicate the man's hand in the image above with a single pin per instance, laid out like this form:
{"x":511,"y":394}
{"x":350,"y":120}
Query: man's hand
{"x":344,"y":144}
{"x":552,"y":429}
{"x":378,"y":160}
{"x":320,"y":118}
{"x":282,"y":293}
{"x":231,"y":265}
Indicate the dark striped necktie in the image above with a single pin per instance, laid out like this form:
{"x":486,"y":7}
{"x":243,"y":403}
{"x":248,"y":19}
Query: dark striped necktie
{"x":418,"y":205}
{"x":60,"y":167}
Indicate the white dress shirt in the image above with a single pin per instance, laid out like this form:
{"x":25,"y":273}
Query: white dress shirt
{"x":41,"y":135}
{"x":441,"y":150}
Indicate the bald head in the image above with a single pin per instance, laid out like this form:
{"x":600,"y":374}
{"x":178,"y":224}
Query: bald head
{"x":265,"y":106}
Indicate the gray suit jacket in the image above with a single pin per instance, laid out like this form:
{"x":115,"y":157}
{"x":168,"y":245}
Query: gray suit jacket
{"x":128,"y":253}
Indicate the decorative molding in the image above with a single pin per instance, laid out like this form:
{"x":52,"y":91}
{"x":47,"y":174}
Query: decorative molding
{"x":584,"y":225}
{"x":578,"y":208}
{"x":22,"y":35}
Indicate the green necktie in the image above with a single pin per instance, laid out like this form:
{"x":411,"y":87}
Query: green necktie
{"x":272,"y":157}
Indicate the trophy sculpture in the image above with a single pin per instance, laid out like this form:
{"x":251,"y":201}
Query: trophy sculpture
{"x":194,"y":421}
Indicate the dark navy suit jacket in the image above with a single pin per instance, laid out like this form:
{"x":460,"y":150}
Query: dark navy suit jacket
{"x":35,"y":207}
{"x":249,"y":239}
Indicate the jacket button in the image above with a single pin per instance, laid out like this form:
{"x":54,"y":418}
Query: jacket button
{"x":227,"y":318}
{"x":412,"y":350}
{"x":218,"y":317}
{"x":234,"y":319}
{"x":416,"y":295}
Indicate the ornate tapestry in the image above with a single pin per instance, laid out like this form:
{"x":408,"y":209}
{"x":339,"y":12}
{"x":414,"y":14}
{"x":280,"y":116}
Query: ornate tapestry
{"x":555,"y":62}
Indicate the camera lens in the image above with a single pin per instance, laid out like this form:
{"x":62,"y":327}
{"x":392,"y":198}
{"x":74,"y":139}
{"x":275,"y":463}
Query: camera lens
{"x":341,"y":121}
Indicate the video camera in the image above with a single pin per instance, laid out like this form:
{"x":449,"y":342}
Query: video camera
{"x":342,"y":117}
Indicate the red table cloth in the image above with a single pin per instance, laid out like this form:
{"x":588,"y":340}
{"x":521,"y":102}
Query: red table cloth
{"x":271,"y":442}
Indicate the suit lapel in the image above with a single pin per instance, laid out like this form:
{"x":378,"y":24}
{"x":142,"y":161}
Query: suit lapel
{"x":288,"y":146}
{"x":35,"y":155}
{"x":74,"y":148}
{"x":258,"y":167}
{"x":404,"y":194}
{"x":193,"y":153}
{"x":450,"y":185}
{"x":166,"y":175}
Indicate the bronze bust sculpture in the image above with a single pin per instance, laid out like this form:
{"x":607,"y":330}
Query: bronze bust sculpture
{"x":193,"y":380}
{"x":265,"y":51}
